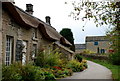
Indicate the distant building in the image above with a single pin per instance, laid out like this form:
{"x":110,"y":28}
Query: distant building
{"x":98,"y":44}
{"x":80,"y":48}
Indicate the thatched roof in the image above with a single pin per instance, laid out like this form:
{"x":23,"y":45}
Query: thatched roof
{"x":65,"y":48}
{"x":26,"y":20}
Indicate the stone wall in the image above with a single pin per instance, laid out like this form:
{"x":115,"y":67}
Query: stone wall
{"x":101,"y":44}
{"x":17,"y":32}
{"x":96,"y":56}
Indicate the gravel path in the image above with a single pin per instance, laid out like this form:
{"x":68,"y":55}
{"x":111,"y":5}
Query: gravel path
{"x":94,"y":71}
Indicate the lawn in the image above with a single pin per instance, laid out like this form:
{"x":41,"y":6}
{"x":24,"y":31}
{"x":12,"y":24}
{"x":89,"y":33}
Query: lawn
{"x":115,"y":69}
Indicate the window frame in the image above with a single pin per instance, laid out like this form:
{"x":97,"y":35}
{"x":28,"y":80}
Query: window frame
{"x":34,"y":51}
{"x":96,"y":43}
{"x":8,"y":51}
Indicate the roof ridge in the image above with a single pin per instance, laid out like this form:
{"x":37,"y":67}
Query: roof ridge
{"x":33,"y":16}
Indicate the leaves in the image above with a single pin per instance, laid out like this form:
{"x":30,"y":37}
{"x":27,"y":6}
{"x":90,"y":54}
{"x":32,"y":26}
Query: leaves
{"x":98,"y":11}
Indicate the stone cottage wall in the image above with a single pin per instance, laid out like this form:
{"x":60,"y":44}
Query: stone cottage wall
{"x":16,"y":32}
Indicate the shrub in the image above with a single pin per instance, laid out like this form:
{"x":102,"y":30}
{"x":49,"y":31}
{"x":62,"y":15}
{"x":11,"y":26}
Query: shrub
{"x":32,"y":73}
{"x":40,"y":60}
{"x":53,"y":59}
{"x":46,"y":59}
{"x":115,"y":58}
{"x":68,"y":72}
{"x":84,"y":62}
{"x":49,"y":76}
{"x":17,"y":72}
{"x":59,"y":73}
{"x":86,"y":51}
{"x":75,"y":65}
{"x":78,"y":57}
{"x":10,"y":73}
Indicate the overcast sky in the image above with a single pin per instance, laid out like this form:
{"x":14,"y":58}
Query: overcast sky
{"x":59,"y":11}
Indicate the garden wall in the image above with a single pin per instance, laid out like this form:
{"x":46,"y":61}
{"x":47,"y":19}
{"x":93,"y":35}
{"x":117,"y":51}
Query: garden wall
{"x":96,"y":56}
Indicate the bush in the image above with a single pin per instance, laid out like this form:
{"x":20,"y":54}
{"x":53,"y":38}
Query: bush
{"x":17,"y":72}
{"x":78,"y":57}
{"x":84,"y":62}
{"x":75,"y":65}
{"x":59,"y":73}
{"x":40,"y":60}
{"x":68,"y":72}
{"x":46,"y":59}
{"x":86,"y":51}
{"x":10,"y":73}
{"x":49,"y":76}
{"x":31,"y":73}
{"x":115,"y":58}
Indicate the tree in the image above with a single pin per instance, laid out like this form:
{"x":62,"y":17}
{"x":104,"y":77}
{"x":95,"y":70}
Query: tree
{"x":67,"y":33}
{"x":102,"y":13}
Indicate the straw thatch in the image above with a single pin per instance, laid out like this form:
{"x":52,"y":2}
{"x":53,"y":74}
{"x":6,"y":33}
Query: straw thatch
{"x":26,"y":20}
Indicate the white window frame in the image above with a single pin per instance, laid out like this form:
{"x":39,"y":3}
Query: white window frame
{"x":8,"y":52}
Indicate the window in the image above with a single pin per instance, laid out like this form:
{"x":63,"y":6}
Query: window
{"x":8,"y":50}
{"x":19,"y":48}
{"x":34,"y":50}
{"x":24,"y":52}
{"x":35,"y":33}
{"x":95,"y":43}
{"x":110,"y":43}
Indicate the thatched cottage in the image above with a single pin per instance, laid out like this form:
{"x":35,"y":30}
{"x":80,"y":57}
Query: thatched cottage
{"x":24,"y":34}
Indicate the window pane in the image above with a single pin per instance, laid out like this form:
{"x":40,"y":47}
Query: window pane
{"x":95,"y":43}
{"x":8,"y":50}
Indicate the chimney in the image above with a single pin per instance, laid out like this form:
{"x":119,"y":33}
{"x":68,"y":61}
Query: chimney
{"x":29,"y":8}
{"x":48,"y":20}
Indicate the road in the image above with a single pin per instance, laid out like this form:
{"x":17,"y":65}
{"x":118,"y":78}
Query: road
{"x":93,"y":72}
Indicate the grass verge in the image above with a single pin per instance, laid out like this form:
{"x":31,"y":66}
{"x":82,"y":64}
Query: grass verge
{"x":115,"y":69}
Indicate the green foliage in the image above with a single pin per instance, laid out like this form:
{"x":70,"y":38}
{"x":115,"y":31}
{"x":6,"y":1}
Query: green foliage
{"x":100,"y":12}
{"x":10,"y":73}
{"x":46,"y":59}
{"x":76,"y":66}
{"x":49,"y":76}
{"x":68,"y":72}
{"x":67,"y":33}
{"x":53,"y":66}
{"x":40,"y":59}
{"x":115,"y":58}
{"x":86,"y":51}
{"x":17,"y":72}
{"x":62,"y":73}
{"x":31,"y":73}
{"x":78,"y":57}
{"x":114,"y":36}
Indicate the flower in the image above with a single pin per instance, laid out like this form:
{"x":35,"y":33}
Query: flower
{"x":56,"y":67}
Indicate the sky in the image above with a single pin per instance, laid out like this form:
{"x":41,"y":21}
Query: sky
{"x":59,"y":11}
